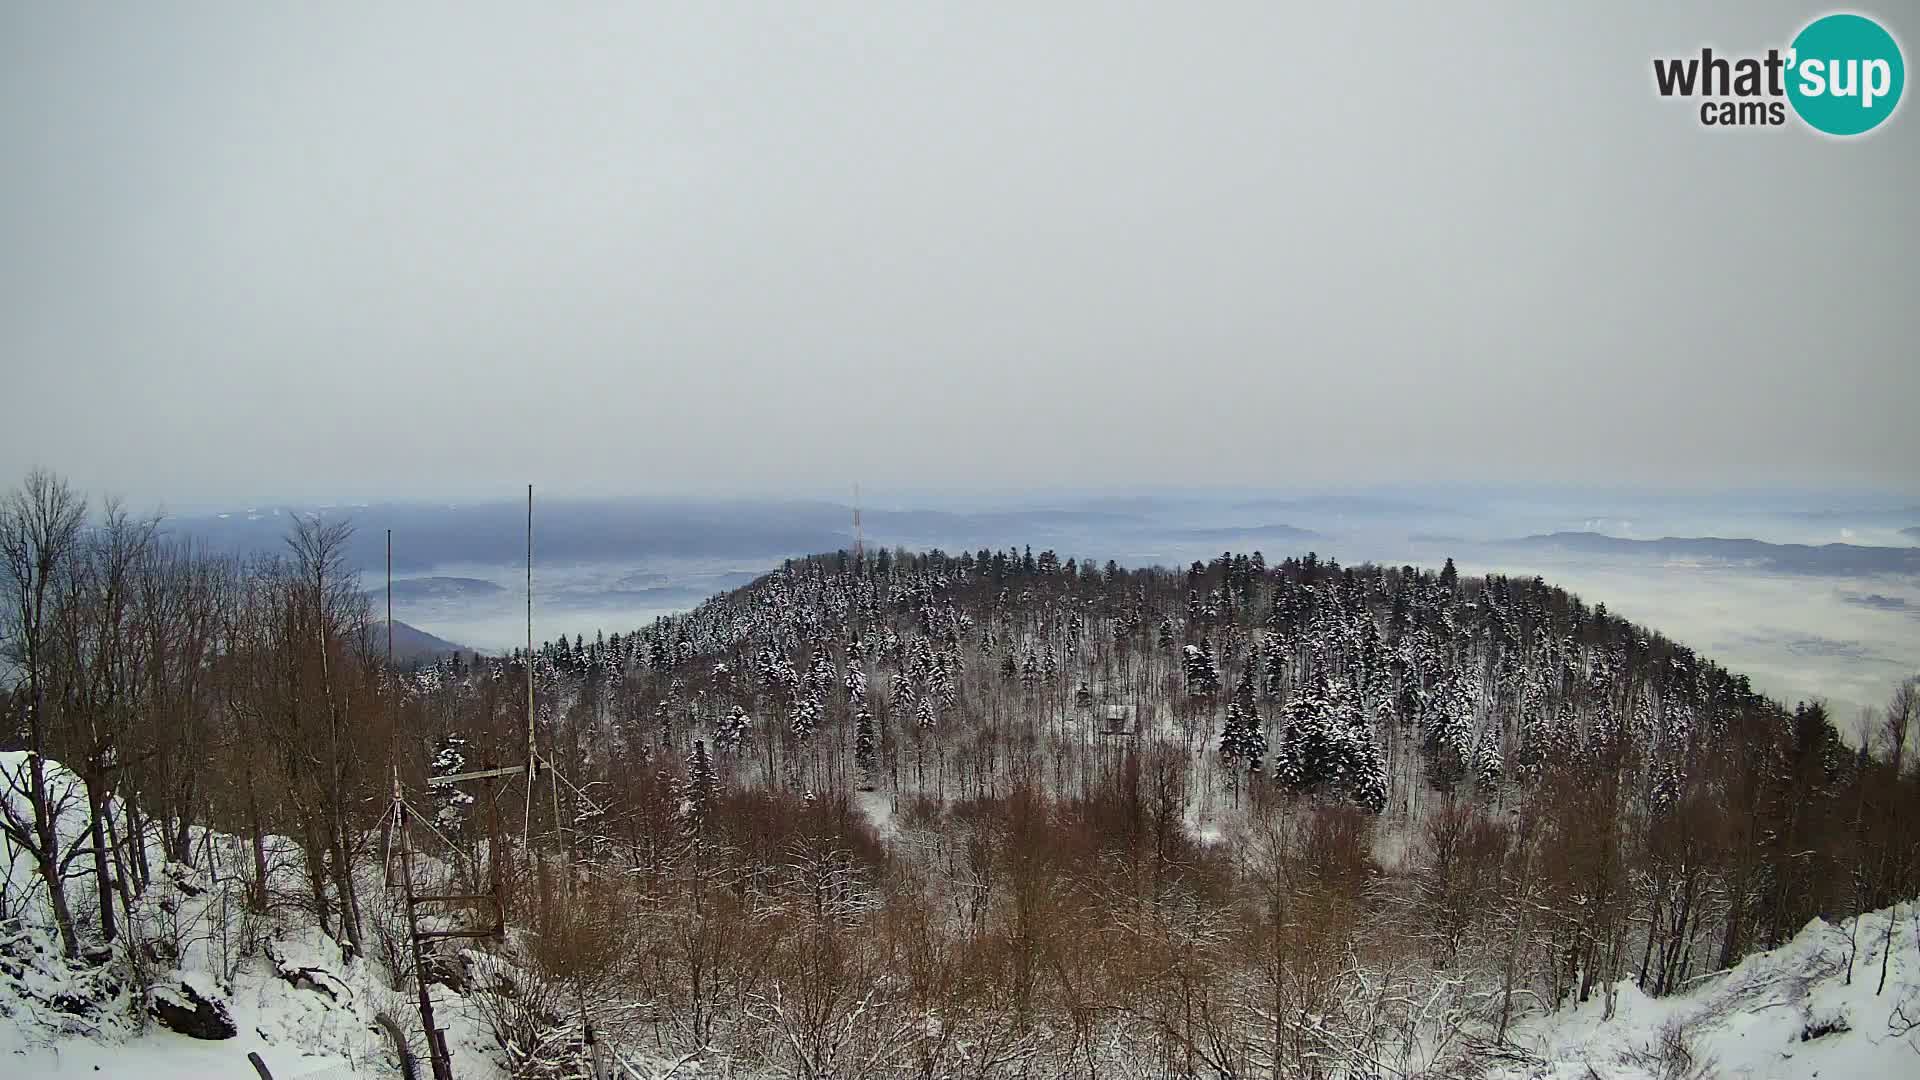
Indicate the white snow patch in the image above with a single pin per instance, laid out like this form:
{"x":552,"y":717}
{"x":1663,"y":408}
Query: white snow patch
{"x":878,"y":806}
{"x":1754,"y":1020}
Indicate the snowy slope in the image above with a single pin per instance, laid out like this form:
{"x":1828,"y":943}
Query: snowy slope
{"x":296,"y":1031}
{"x":290,"y":993}
{"x":1789,"y":1014}
{"x":286,"y":988}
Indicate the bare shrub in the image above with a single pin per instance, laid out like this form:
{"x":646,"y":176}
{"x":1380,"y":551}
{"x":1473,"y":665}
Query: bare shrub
{"x":1672,"y":1056}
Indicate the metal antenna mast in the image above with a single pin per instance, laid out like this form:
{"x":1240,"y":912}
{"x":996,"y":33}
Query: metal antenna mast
{"x":389,"y":603}
{"x":400,"y":852}
{"x":859,"y":539}
{"x":533,"y":761}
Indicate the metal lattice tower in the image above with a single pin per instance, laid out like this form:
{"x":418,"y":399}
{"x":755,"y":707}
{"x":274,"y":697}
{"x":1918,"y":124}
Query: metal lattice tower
{"x":402,"y":816}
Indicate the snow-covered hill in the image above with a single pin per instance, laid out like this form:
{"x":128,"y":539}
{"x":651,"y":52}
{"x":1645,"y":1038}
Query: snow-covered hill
{"x":1789,"y":1014}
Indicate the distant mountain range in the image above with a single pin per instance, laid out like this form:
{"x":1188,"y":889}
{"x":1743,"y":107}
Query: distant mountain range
{"x":1825,"y":559}
{"x":416,"y":590}
{"x":580,"y":531}
{"x":760,"y":532}
{"x":564,"y":530}
{"x":412,"y":644}
{"x":1345,"y":505}
{"x":991,"y":529}
{"x":1247,"y":534}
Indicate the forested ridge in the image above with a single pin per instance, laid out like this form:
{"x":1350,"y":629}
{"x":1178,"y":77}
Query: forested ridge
{"x":993,"y":813}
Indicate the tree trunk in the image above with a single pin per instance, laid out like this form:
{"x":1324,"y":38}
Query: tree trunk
{"x":343,"y":881}
{"x":47,"y":857}
{"x":57,"y":897}
{"x":102,"y":874}
{"x":120,"y":874}
{"x":1886,"y":949}
{"x":257,"y":895}
{"x":137,"y":841}
{"x":317,"y":877}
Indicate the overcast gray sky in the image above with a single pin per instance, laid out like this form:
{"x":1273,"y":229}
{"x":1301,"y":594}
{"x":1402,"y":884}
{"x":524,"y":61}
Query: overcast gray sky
{"x":421,"y":249}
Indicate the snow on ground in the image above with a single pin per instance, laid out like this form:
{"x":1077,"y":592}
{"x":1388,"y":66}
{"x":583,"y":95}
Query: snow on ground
{"x":163,"y":1055}
{"x":1788,"y":1014}
{"x":288,"y":991}
{"x":879,"y":807}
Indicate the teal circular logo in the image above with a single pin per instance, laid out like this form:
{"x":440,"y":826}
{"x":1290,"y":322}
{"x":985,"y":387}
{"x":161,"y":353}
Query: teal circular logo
{"x":1845,"y":74}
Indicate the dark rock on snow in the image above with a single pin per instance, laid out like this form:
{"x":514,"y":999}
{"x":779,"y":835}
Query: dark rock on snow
{"x":179,"y":1007}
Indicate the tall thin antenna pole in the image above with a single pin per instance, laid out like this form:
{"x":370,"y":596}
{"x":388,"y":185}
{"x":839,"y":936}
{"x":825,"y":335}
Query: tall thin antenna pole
{"x":529,"y":632}
{"x":393,"y":710}
{"x":533,"y":750}
{"x":859,"y":538}
{"x":393,"y":723}
{"x":389,"y":603}
{"x":526,"y":821}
